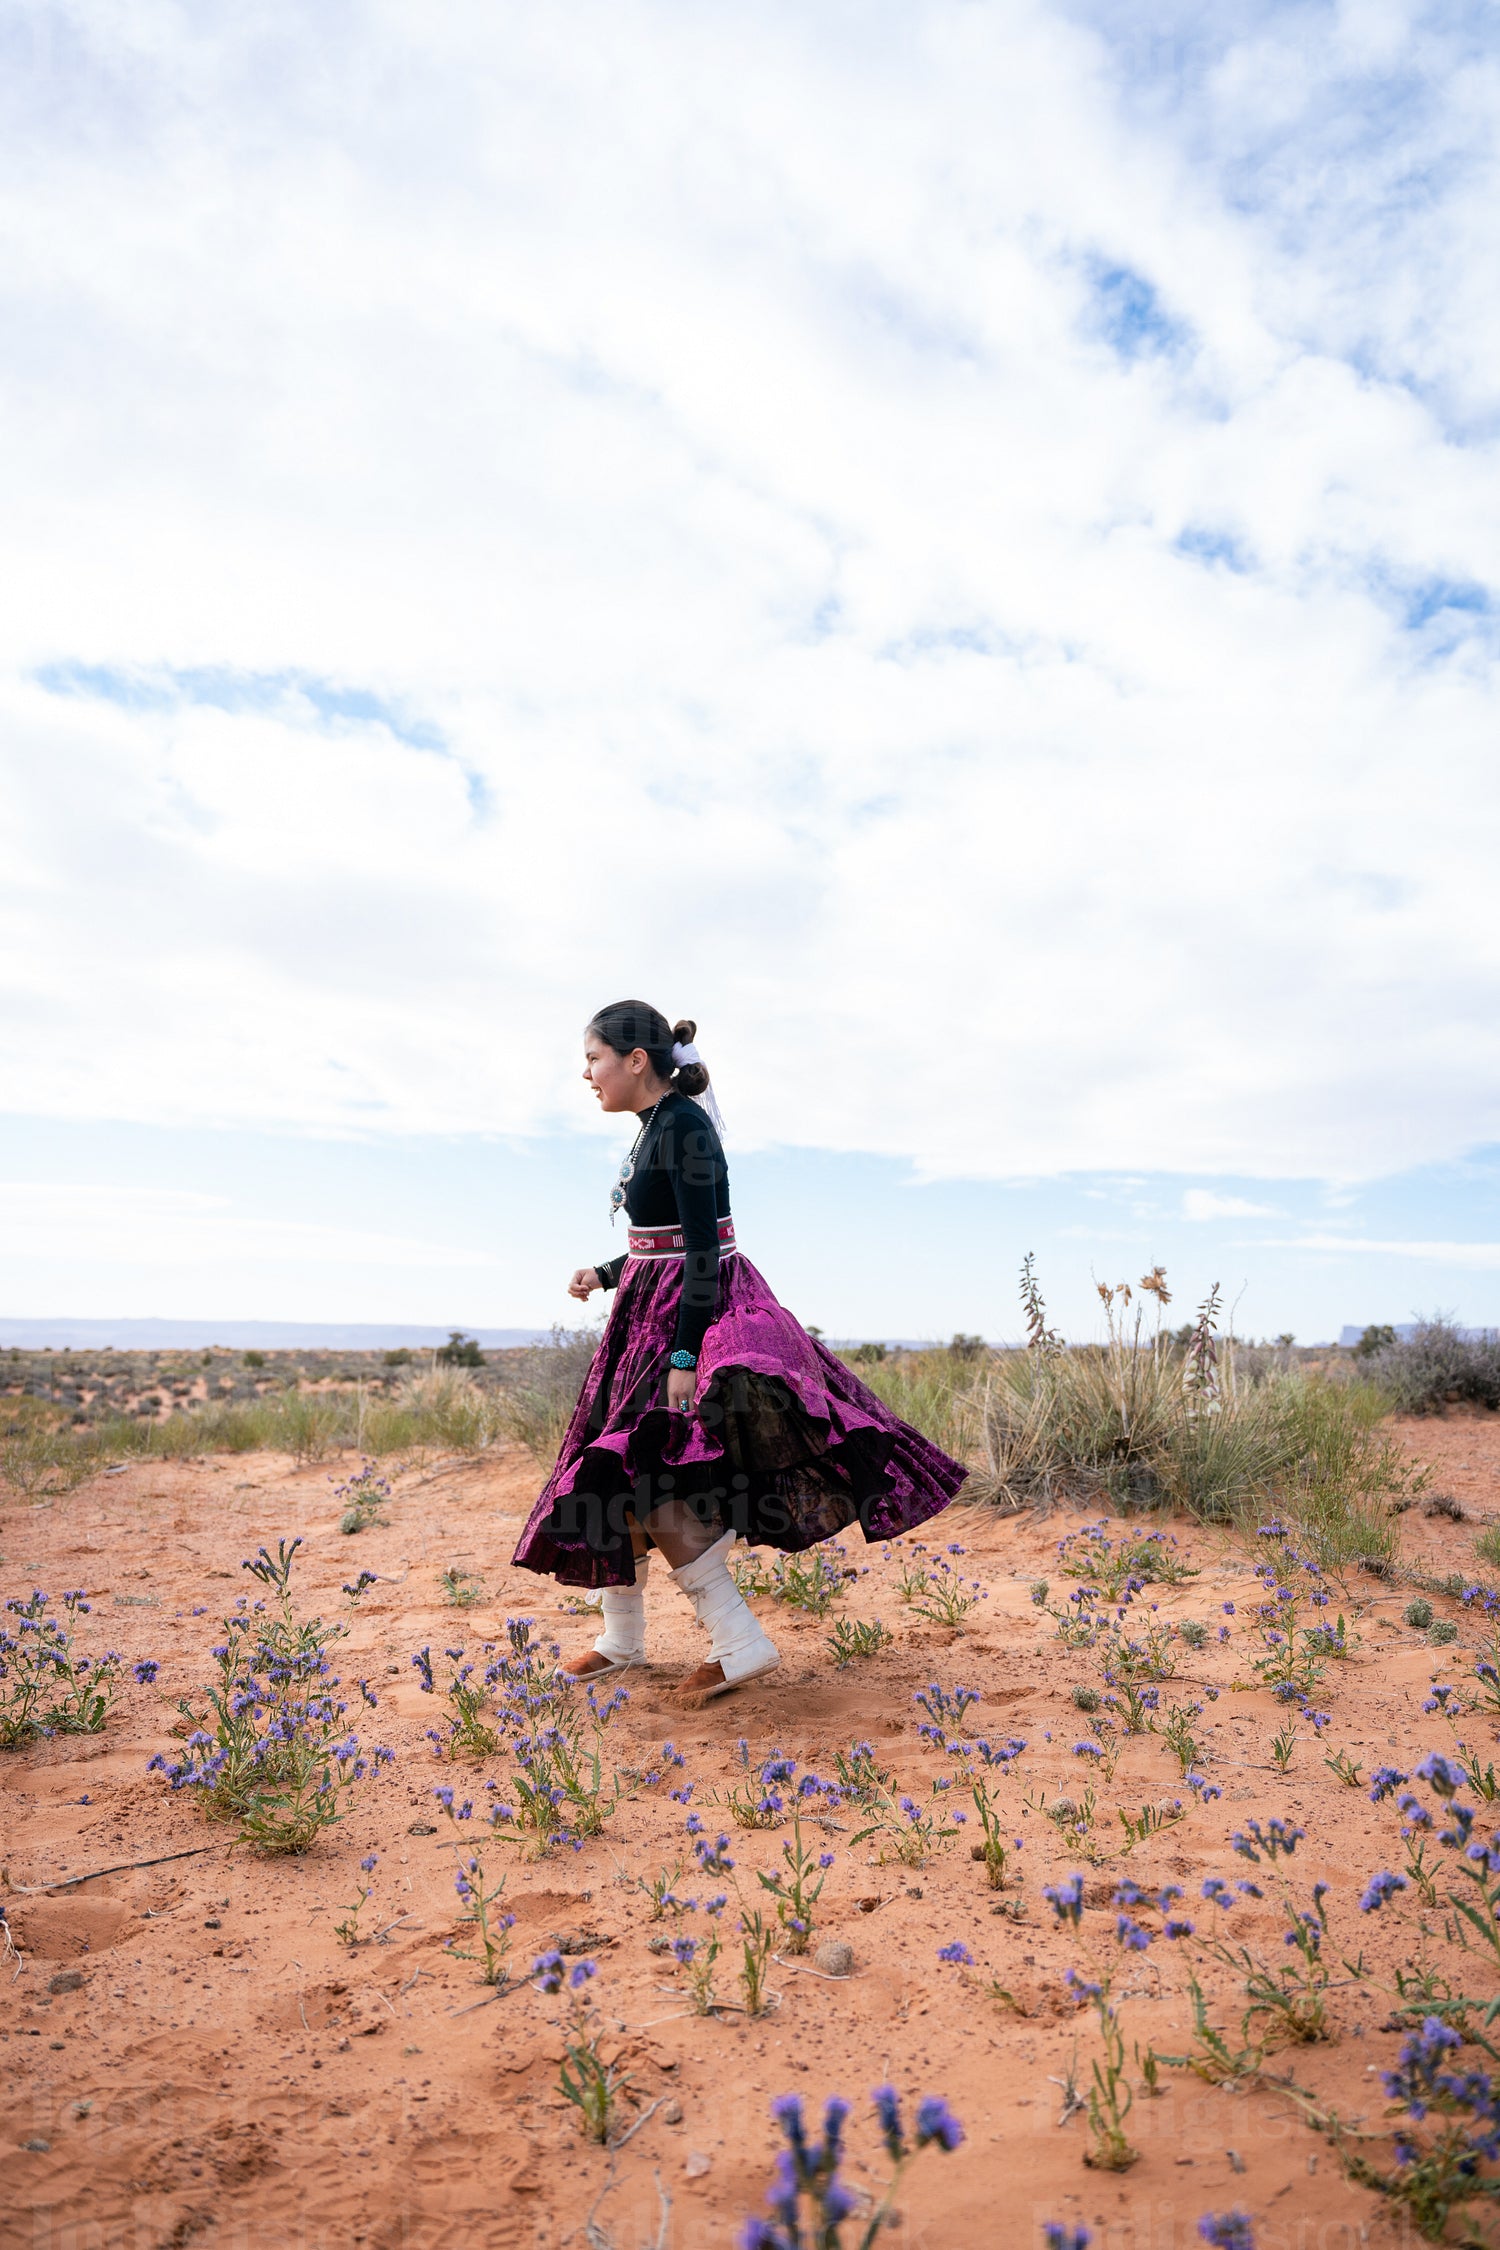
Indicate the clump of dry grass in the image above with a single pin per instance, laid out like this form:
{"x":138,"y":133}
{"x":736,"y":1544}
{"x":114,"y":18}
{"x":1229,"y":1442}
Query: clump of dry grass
{"x":926,"y":1388}
{"x":541,"y":1389}
{"x":1153,"y":1418}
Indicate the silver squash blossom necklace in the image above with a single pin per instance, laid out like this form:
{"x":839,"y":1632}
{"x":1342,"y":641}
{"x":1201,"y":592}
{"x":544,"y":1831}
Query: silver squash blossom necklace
{"x":627,"y":1169}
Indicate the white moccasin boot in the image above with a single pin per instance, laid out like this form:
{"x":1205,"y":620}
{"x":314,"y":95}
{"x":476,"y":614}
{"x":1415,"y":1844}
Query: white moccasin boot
{"x":623,"y":1640}
{"x":738,"y":1649}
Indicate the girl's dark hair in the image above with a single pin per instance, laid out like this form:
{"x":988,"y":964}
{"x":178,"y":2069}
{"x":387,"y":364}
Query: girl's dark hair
{"x":628,"y":1024}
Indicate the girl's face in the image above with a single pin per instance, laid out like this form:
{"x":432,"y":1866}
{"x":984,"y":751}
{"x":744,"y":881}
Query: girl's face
{"x":619,"y":1081}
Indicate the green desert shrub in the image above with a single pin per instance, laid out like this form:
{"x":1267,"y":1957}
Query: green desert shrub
{"x":929,"y":1389}
{"x":459,"y":1351}
{"x":1436,"y":1366}
{"x":1174,"y":1419}
{"x":540,"y":1389}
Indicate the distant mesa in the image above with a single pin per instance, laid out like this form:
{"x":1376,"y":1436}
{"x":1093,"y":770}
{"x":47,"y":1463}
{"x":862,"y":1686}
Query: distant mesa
{"x":1404,"y":1330}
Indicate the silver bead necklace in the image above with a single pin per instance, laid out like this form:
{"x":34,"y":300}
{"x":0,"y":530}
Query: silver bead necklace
{"x":627,"y":1167}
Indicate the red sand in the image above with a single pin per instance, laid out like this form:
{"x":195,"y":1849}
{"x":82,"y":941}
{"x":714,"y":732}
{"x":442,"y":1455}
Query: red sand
{"x":228,"y":2071}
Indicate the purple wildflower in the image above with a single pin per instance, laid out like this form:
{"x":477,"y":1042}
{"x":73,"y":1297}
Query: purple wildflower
{"x":1441,"y":1774}
{"x":1066,"y":1899}
{"x":547,"y":1968}
{"x":936,"y":2122}
{"x":1231,"y":2231}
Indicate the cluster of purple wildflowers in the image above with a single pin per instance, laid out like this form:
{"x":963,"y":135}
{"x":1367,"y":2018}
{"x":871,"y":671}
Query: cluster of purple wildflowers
{"x":1307,"y":1927}
{"x":760,"y":1803}
{"x":1001,"y":1754}
{"x":1441,"y":1774}
{"x":1218,"y":1893}
{"x":671,"y":1757}
{"x":537,"y":1715}
{"x":551,"y":1972}
{"x":944,"y":1595}
{"x":1082,"y":1990}
{"x":797,"y":1885}
{"x":1286,"y":1583}
{"x":274,"y":1745}
{"x":1478,"y":1860}
{"x":361,"y":1496}
{"x":1231,"y":2231}
{"x":808,"y":2199}
{"x":1278,"y":1840}
{"x":945,"y":1708}
{"x":1129,"y":1899}
{"x":1066,"y":1899}
{"x":47,"y":1686}
{"x":1422,"y":2083}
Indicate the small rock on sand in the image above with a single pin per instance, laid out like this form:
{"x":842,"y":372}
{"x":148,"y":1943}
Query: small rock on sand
{"x":834,"y":1958}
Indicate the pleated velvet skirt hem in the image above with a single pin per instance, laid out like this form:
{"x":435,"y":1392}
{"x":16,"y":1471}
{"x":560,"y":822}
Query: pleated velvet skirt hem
{"x":785,"y":1445}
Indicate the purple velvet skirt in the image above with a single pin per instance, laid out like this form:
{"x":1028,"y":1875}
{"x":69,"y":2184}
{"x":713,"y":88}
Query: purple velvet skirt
{"x":784,"y":1445}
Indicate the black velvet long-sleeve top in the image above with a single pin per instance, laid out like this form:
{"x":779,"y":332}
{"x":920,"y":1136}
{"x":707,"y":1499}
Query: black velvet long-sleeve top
{"x":681,"y":1179}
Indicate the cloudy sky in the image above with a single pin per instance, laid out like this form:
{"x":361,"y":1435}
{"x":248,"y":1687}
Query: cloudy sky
{"x":956,"y":543}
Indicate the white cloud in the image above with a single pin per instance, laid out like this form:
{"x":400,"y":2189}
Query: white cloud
{"x":1203,"y":1203}
{"x":1477,"y":1257}
{"x":1034,"y":720}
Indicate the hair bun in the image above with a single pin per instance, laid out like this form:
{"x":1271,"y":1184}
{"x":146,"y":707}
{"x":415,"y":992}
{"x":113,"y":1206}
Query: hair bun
{"x":689,"y":1077}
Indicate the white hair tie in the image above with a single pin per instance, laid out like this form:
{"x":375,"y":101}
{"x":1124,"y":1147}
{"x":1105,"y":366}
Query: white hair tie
{"x":682,"y":1056}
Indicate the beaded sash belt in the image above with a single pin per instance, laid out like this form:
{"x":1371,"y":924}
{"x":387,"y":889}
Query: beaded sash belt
{"x":667,"y":1242}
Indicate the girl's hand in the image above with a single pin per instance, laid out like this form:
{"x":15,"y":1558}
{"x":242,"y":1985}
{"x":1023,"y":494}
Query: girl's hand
{"x":585,"y":1280}
{"x":681,"y":1382}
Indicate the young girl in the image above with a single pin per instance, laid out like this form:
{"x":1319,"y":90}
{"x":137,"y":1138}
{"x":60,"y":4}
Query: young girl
{"x":708,"y":1414}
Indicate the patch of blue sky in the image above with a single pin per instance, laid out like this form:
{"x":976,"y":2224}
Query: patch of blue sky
{"x":1206,"y":544}
{"x":826,"y":620}
{"x":226,"y":688}
{"x":1449,"y":599}
{"x":1127,"y":311}
{"x":1174,"y":44}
